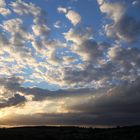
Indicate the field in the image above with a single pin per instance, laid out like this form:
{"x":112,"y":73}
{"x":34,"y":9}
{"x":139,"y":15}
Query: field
{"x":70,"y":133}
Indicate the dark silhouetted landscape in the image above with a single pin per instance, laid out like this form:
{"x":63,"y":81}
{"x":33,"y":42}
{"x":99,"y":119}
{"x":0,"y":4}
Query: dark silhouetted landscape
{"x":70,"y":133}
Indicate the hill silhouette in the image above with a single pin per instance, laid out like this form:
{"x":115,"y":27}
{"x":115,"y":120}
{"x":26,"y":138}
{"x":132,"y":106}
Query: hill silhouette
{"x":70,"y":133}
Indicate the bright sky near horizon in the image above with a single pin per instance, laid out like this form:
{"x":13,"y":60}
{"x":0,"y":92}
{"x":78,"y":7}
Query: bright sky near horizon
{"x":69,"y":62}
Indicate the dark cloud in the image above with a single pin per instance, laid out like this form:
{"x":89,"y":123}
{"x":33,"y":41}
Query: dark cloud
{"x":88,"y":74}
{"x":14,"y":84}
{"x":72,"y":119}
{"x":121,"y":102}
{"x":128,"y":28}
{"x":118,"y":105}
{"x":13,"y":101}
{"x":124,"y":26}
{"x":42,"y":94}
{"x":84,"y":45}
{"x":49,"y":119}
{"x":126,"y":62}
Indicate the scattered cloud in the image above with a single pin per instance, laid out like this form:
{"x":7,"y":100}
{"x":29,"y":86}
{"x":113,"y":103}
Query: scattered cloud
{"x":74,"y":17}
{"x":13,"y":101}
{"x":57,"y":24}
{"x":62,"y":10}
{"x":94,"y":79}
{"x":123,"y":26}
{"x":22,"y":8}
{"x":71,"y":15}
{"x":3,"y":10}
{"x":135,"y":3}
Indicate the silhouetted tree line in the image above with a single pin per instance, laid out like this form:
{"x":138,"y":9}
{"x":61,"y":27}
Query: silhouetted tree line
{"x":70,"y":133}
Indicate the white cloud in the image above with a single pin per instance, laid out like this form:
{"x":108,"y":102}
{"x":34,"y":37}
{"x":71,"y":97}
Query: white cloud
{"x":78,"y":36}
{"x":100,"y":2}
{"x":57,"y":24}
{"x":40,"y":30}
{"x":71,"y":15}
{"x":84,"y":45}
{"x":3,"y":10}
{"x":62,"y":10}
{"x":74,"y":17}
{"x":22,"y":8}
{"x":2,"y":3}
{"x":136,"y":2}
{"x":12,"y":25}
{"x":27,"y":48}
{"x":113,"y":10}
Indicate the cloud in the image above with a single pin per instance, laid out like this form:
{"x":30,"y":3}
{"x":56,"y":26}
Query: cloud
{"x":115,"y":100}
{"x":78,"y":35}
{"x":9,"y":94}
{"x":54,"y":68}
{"x":14,"y":85}
{"x":71,"y":15}
{"x":120,"y":30}
{"x":135,"y":3}
{"x":17,"y":36}
{"x":57,"y":24}
{"x":77,"y":76}
{"x":52,"y":48}
{"x":12,"y":23}
{"x":3,"y":40}
{"x":3,"y":10}
{"x":123,"y":26}
{"x":62,"y":10}
{"x":84,"y":45}
{"x":100,"y":2}
{"x":48,"y":119}
{"x":22,"y":8}
{"x":70,"y":119}
{"x":40,"y":30}
{"x":117,"y":53}
{"x":2,"y":3}
{"x":97,"y":81}
{"x":118,"y":105}
{"x":13,"y":101}
{"x":113,"y":10}
{"x":74,"y":17}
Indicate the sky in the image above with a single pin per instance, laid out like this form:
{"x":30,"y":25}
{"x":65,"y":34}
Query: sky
{"x":69,"y":62}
